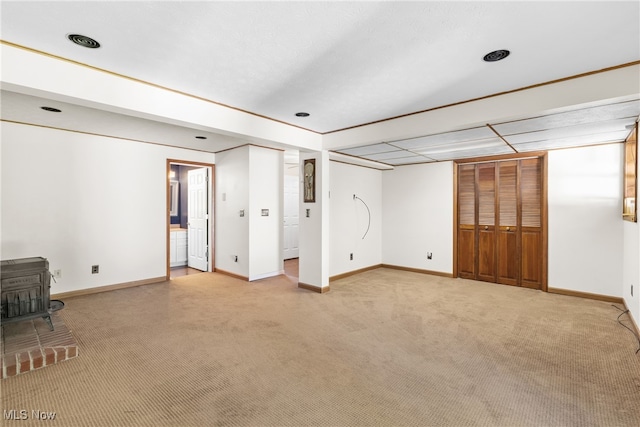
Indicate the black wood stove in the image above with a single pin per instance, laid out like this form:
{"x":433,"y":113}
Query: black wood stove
{"x":24,"y":290}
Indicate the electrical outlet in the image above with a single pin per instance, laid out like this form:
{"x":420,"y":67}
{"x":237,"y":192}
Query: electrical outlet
{"x":57,"y":274}
{"x":429,"y":255}
{"x":95,"y":269}
{"x":351,"y":257}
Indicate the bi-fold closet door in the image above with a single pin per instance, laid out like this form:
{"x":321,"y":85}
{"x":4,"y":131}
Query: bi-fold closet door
{"x":500,"y":222}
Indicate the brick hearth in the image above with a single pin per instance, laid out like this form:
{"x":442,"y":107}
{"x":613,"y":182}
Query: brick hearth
{"x":30,"y":345}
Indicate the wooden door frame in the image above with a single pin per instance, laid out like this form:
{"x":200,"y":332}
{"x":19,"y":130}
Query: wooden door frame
{"x":211,"y":233}
{"x":544,"y":220}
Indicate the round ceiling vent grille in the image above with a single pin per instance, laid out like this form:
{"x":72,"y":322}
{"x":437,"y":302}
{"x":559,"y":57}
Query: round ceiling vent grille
{"x":53,"y":110}
{"x":496,"y":55}
{"x":84,"y":41}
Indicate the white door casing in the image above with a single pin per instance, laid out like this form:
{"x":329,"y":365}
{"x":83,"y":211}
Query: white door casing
{"x":198,"y":219}
{"x":291,"y":217}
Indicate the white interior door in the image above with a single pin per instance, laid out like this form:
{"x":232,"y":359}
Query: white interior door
{"x":291,"y":216}
{"x":198,"y":219}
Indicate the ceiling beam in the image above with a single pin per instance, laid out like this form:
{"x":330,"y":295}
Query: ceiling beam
{"x":36,"y":73}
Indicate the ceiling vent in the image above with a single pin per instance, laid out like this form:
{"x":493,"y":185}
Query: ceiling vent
{"x":496,"y":55}
{"x":51,"y":109}
{"x":84,"y":41}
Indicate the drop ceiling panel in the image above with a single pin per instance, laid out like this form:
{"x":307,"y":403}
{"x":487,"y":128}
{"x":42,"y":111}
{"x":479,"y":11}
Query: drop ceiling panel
{"x":601,"y":127}
{"x":576,"y":141}
{"x":369,"y":149}
{"x":390,"y":155}
{"x":417,"y":144}
{"x":409,"y":160}
{"x":603,"y":113}
{"x":489,"y":143}
{"x":470,"y":153}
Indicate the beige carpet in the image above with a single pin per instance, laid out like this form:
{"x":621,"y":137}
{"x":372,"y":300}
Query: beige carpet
{"x":383,"y":348}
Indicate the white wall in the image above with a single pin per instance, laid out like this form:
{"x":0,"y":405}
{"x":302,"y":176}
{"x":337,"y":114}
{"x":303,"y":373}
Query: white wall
{"x":585,"y":219}
{"x":349,"y":218}
{"x":249,"y":178}
{"x":418,"y":216}
{"x":266,"y":180}
{"x":80,"y":200}
{"x":631,"y":268}
{"x":635,"y":263}
{"x":232,"y":196}
{"x":314,"y":229}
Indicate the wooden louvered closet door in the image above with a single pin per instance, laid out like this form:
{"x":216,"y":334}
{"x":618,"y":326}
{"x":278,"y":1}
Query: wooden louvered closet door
{"x":467,"y":221}
{"x":486,"y":195}
{"x":508,"y":236}
{"x":531,"y":202}
{"x":500,"y":211}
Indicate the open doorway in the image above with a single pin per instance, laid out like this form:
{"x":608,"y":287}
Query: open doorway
{"x":290,"y":251}
{"x":189,"y":217}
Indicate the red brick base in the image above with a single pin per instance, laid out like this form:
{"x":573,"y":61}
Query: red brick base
{"x":30,"y":345}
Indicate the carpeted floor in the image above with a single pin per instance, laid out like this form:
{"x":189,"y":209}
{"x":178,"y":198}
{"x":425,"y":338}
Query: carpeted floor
{"x":384,"y":348}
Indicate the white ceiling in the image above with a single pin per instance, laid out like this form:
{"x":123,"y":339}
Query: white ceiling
{"x":345,"y":63}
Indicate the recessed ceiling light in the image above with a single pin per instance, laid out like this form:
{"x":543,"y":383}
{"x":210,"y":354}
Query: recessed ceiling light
{"x":496,"y":55}
{"x":302,"y":114}
{"x":53,"y":110}
{"x":201,"y":137}
{"x":83,"y":41}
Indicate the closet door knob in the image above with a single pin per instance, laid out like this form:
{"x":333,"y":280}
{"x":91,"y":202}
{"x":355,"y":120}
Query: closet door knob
{"x":486,"y":227}
{"x":508,"y":228}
